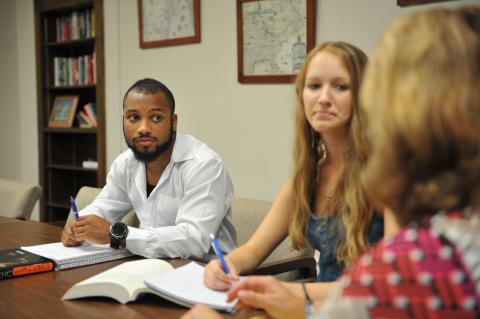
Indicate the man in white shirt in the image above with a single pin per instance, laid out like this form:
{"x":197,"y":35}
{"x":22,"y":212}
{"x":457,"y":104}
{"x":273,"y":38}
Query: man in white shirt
{"x":179,"y":188}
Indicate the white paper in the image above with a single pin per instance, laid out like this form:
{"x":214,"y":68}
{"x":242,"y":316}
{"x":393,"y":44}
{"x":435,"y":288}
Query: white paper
{"x":186,"y":284}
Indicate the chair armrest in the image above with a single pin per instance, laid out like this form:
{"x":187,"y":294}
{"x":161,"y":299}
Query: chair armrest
{"x":306,"y":264}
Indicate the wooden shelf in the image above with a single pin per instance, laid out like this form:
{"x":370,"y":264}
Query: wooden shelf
{"x":69,"y":88}
{"x":71,"y":168}
{"x":81,"y":42}
{"x":72,"y":130}
{"x":62,"y":150}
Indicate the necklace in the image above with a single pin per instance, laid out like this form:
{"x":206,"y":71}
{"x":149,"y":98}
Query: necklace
{"x":329,"y":196}
{"x":322,"y":150}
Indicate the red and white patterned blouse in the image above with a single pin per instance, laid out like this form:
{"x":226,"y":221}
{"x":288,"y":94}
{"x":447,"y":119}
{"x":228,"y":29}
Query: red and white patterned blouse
{"x":427,"y":271}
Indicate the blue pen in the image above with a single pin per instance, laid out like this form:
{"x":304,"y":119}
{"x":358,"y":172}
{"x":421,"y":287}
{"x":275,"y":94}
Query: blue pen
{"x":74,"y":208}
{"x":219,"y":254}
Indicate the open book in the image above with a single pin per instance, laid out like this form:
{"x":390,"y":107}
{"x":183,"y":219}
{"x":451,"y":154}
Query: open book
{"x":85,"y":254}
{"x":124,"y":283}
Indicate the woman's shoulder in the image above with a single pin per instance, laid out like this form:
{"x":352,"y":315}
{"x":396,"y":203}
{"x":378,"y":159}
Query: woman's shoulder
{"x":461,"y":227}
{"x":423,"y":266}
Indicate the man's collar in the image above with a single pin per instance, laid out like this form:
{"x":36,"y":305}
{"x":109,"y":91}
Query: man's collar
{"x":182,"y":148}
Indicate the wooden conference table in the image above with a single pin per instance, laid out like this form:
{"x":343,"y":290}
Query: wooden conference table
{"x":39,"y":295}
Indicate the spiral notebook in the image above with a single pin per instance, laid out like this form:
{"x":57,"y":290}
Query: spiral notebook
{"x":85,"y":254}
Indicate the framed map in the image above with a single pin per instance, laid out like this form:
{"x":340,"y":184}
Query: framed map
{"x":405,"y":3}
{"x":273,"y":38}
{"x":168,"y":22}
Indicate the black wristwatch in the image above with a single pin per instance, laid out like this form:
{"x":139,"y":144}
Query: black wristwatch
{"x":118,"y":233}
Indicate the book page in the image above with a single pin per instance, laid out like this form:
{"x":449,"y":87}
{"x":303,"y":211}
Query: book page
{"x":61,"y":254}
{"x":122,"y":282}
{"x":186,"y":285}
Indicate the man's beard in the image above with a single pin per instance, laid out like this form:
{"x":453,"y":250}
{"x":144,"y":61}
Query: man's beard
{"x":147,"y":157}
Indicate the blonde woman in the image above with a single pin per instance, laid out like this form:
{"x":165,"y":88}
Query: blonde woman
{"x":322,"y":204}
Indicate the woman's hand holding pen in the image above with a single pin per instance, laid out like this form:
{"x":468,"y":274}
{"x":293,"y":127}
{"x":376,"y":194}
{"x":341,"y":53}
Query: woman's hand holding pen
{"x":215,"y":277}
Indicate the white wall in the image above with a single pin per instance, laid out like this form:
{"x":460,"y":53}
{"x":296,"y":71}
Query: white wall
{"x":9,"y":110}
{"x":18,"y":98}
{"x":249,"y":125}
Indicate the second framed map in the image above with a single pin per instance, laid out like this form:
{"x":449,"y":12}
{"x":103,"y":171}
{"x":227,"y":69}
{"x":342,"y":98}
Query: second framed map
{"x":273,"y":38}
{"x":168,"y":22}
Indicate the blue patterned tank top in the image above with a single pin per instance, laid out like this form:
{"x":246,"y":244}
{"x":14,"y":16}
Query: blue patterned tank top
{"x":323,"y":234}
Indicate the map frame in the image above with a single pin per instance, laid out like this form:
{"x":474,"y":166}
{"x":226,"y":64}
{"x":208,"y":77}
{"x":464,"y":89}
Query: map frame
{"x":195,"y":38}
{"x":243,"y":77}
{"x":406,"y":3}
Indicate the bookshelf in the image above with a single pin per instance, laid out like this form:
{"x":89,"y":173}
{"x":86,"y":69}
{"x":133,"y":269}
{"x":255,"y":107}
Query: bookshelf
{"x":69,"y":43}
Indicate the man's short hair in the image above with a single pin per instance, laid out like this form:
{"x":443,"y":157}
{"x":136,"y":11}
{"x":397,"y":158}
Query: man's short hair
{"x":151,"y":86}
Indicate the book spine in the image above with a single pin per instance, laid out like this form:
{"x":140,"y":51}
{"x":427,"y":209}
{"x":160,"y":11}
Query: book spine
{"x":91,"y":114}
{"x":7,"y":273}
{"x":56,"y":71}
{"x":75,"y":76}
{"x":88,"y":29}
{"x":85,"y":118}
{"x":92,"y":26}
{"x":58,"y":31}
{"x":90,"y":70}
{"x":74,"y":25}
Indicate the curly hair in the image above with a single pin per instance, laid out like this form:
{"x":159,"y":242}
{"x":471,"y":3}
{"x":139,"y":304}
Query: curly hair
{"x":422,"y":93}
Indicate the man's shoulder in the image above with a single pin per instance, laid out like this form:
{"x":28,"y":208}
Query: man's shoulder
{"x":191,"y":148}
{"x":125,"y":160}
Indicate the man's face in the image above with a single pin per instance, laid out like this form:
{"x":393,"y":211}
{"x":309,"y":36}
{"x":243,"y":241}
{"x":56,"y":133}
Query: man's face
{"x":148,"y":125}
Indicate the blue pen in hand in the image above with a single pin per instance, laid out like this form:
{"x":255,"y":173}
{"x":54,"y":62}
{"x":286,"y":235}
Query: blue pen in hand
{"x":74,"y":208}
{"x":219,"y":254}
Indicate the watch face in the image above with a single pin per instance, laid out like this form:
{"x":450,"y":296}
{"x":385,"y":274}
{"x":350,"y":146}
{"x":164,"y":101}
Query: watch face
{"x":119,"y":230}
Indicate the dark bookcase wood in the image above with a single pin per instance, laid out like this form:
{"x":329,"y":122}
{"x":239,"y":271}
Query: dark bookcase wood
{"x":62,"y":150}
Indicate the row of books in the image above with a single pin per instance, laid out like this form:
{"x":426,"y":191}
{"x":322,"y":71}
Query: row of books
{"x":74,"y":71}
{"x":75,"y":26}
{"x":87,"y":116}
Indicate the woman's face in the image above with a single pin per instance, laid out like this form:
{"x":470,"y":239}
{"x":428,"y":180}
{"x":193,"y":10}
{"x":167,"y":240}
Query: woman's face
{"x":327,"y":95}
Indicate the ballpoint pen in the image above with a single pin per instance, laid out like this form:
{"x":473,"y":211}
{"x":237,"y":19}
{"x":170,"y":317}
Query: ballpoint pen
{"x":219,"y":254}
{"x":74,"y":208}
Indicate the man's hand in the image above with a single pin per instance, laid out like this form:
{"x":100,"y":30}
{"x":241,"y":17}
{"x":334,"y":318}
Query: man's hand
{"x":68,"y":237}
{"x":92,"y":228}
{"x":267,"y":293}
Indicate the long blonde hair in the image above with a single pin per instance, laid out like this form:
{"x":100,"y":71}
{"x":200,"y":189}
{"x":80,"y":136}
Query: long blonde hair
{"x":423,"y":100}
{"x":355,"y":212}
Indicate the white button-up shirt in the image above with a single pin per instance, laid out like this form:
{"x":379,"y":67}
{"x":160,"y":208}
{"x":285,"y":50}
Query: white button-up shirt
{"x":191,"y":200}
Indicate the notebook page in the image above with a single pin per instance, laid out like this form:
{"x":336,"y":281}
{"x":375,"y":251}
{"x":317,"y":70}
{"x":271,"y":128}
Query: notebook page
{"x":186,"y":284}
{"x":61,"y":254}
